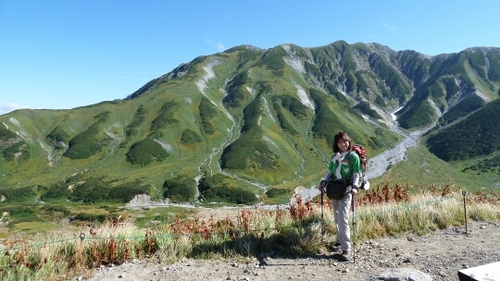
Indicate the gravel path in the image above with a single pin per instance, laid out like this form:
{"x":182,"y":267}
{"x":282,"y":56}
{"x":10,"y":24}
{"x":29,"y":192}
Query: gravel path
{"x":440,"y":254}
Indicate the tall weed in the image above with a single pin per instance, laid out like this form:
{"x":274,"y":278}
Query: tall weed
{"x":302,"y":229}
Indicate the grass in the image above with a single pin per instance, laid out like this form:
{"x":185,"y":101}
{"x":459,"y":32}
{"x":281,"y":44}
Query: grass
{"x":33,"y":227}
{"x":421,"y":168}
{"x":300,"y":230}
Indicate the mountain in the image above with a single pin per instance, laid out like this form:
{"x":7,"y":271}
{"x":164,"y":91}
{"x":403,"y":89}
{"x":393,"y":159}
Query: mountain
{"x":471,"y":137}
{"x":244,"y":122}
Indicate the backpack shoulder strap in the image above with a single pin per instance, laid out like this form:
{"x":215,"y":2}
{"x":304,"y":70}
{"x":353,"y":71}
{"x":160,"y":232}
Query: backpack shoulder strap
{"x":350,"y":161}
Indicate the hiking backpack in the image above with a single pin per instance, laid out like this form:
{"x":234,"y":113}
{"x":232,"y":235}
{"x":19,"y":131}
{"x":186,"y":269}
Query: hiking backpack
{"x":360,"y":150}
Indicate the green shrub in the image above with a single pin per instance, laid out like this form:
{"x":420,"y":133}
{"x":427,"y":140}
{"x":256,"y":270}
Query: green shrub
{"x":348,"y":63}
{"x":325,"y":119}
{"x":12,"y":145}
{"x":18,"y":210}
{"x":146,"y":152}
{"x":364,"y":107}
{"x":165,"y":116}
{"x":251,"y":114}
{"x":392,"y":78}
{"x":215,"y":189}
{"x":249,"y":151}
{"x":219,"y":189}
{"x":380,"y":101}
{"x":18,"y":148}
{"x":139,"y":117}
{"x":190,"y":137}
{"x":383,"y":139}
{"x":466,"y":106}
{"x":58,"y":136}
{"x":85,"y":144}
{"x":239,"y":80}
{"x":264,"y":158}
{"x":92,"y":190}
{"x":100,"y":218}
{"x":25,"y":219}
{"x":208,"y":127}
{"x":361,"y":84}
{"x":6,"y":134}
{"x":179,"y":189}
{"x":208,"y":111}
{"x":421,"y":115}
{"x":126,"y":192}
{"x":18,"y":194}
{"x":312,"y":68}
{"x":332,"y":90}
{"x":56,"y":191}
{"x":207,"y":182}
{"x":485,"y":166}
{"x":350,"y":81}
{"x":285,"y":124}
{"x":295,"y":106}
{"x":229,"y":195}
{"x":236,"y":96}
{"x":276,"y":192}
{"x":20,"y":213}
{"x":55,"y":209}
{"x":102,"y":117}
{"x":453,"y":142}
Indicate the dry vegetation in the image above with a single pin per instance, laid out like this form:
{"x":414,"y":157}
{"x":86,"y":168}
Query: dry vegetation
{"x":297,"y":231}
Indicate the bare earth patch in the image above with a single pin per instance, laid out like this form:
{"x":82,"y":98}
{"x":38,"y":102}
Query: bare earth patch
{"x":440,"y":254}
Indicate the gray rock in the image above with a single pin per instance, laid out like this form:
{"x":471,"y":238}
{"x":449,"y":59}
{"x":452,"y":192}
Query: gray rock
{"x":403,"y":274}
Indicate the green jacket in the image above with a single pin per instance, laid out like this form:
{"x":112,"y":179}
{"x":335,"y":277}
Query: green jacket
{"x":347,"y":169}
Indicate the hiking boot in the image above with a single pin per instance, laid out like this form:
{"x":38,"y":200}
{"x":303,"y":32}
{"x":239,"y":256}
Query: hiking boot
{"x":345,"y":256}
{"x":336,"y":247}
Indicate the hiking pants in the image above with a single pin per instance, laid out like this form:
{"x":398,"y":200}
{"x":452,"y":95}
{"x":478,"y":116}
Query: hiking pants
{"x":341,"y":215}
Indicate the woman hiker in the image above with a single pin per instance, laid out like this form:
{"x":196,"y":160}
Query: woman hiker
{"x":348,"y":172}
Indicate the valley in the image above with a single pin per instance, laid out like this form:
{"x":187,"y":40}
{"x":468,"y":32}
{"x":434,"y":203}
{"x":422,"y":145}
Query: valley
{"x":252,"y":126}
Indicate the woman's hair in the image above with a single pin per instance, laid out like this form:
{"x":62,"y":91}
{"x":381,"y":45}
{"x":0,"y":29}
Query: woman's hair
{"x":340,"y":135}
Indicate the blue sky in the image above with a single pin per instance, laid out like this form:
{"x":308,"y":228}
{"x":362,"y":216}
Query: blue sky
{"x":69,"y":53}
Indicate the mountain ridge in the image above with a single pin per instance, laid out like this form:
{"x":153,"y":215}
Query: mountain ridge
{"x":246,"y":119}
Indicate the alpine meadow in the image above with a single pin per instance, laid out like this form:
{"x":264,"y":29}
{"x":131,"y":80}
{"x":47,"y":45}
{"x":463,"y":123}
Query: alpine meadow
{"x":248,"y":126}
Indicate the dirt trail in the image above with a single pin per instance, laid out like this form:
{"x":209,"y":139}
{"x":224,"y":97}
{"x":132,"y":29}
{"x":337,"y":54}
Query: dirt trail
{"x":440,"y":254}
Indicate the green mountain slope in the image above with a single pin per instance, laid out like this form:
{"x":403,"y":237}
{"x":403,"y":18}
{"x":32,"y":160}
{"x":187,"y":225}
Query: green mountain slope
{"x":478,"y":135}
{"x":241,"y":123}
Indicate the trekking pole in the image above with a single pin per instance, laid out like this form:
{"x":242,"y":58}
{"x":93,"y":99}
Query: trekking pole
{"x":353,"y":230}
{"x":322,"y":193}
{"x":465,"y":212}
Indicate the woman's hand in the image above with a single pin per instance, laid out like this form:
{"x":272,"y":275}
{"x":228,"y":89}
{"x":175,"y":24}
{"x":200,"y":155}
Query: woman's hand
{"x":322,"y":186}
{"x":354,"y":189}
